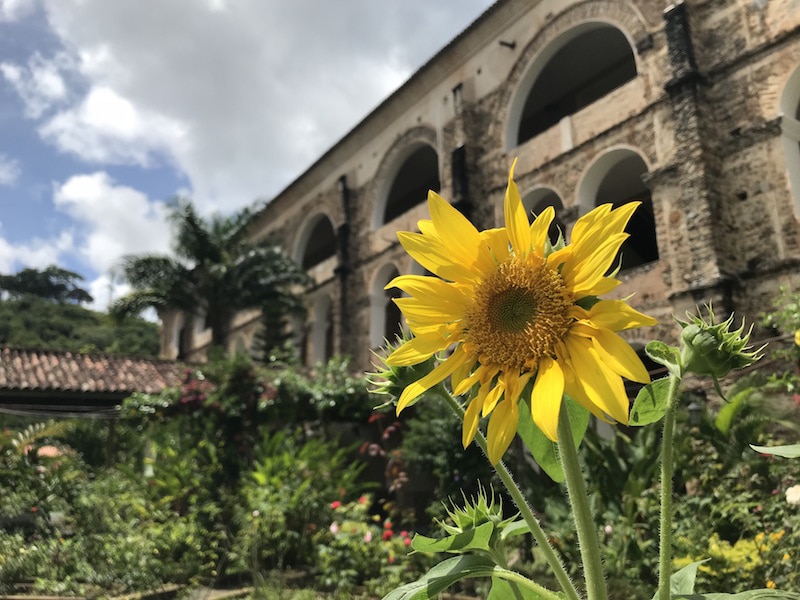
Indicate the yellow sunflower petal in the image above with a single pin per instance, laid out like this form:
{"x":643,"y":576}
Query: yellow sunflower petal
{"x":617,"y":315}
{"x":493,"y":397}
{"x":603,"y":387}
{"x":472,"y":416}
{"x":426,"y":227}
{"x":502,"y":429}
{"x":589,"y":221}
{"x":517,"y":225}
{"x":498,"y":243}
{"x":461,"y":375}
{"x":548,"y":391}
{"x":459,"y":235}
{"x":615,"y":352}
{"x":432,"y":254}
{"x":430,"y":312}
{"x":540,"y":229}
{"x":436,"y":376}
{"x":416,"y":350}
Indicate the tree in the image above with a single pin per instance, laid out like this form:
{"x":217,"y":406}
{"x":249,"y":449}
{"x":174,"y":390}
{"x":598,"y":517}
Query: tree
{"x":53,"y":283}
{"x":216,"y":270}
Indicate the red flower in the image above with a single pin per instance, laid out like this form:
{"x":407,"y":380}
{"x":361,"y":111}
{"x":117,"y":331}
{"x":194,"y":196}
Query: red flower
{"x":33,"y":509}
{"x":387,"y":535}
{"x":404,"y":534}
{"x":387,"y":525}
{"x":362,"y":500}
{"x":391,"y":559}
{"x":407,"y":541}
{"x":335,"y":504}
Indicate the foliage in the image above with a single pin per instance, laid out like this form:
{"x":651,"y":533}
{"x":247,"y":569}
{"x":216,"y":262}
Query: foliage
{"x":52,"y":283}
{"x":32,"y":322}
{"x":215,"y":271}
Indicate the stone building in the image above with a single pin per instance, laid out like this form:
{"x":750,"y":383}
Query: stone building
{"x":693,"y":108}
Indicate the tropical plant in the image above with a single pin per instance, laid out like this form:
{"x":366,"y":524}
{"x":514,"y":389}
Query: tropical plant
{"x":215,"y":270}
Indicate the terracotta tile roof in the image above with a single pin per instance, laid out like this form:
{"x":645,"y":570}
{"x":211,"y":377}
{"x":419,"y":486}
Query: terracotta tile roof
{"x":45,"y":372}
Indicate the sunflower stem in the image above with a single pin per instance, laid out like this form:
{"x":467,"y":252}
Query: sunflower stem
{"x":584,"y":522}
{"x":522,"y":504}
{"x":665,"y":522}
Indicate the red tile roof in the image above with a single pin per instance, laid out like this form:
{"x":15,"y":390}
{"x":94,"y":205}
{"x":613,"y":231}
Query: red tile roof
{"x":46,"y":372}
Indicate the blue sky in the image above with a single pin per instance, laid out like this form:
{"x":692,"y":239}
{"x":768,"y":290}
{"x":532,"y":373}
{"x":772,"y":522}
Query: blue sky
{"x":110,"y":108}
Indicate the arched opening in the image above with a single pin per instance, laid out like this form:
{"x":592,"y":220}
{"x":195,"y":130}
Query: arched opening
{"x":578,"y":68}
{"x":537,"y":200}
{"x":386,"y":319}
{"x":790,"y":134}
{"x":319,"y":242}
{"x":417,"y":174}
{"x":616,"y":178}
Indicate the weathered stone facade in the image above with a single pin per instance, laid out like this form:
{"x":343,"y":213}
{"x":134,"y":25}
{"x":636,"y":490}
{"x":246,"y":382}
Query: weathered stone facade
{"x":696,"y":112}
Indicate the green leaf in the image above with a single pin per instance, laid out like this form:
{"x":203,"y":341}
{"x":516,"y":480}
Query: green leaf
{"x":730,"y":410}
{"x":749,"y":595}
{"x":792,"y":451}
{"x":682,"y":581}
{"x":545,"y":452}
{"x":442,"y":576}
{"x":508,"y":590}
{"x":472,"y":539}
{"x":669,"y":356}
{"x":514,"y":529}
{"x":651,"y":403}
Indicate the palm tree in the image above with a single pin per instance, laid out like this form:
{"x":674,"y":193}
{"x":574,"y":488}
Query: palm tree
{"x":215,"y":269}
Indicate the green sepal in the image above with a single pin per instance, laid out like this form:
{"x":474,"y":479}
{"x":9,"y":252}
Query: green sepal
{"x":651,"y":403}
{"x":669,"y":356}
{"x":545,"y":451}
{"x":791,"y":451}
{"x":478,"y":538}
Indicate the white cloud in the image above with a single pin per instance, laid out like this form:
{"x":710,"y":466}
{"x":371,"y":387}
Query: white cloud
{"x":37,"y":253}
{"x":104,"y":290}
{"x":14,"y":10}
{"x":40,"y":84}
{"x":107,"y":128}
{"x":9,"y":170}
{"x":240,"y":96}
{"x":113,"y":220}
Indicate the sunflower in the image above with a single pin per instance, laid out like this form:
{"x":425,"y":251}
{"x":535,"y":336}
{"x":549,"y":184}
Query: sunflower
{"x":512,"y":310}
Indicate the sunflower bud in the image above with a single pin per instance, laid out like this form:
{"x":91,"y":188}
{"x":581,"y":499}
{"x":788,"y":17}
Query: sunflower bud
{"x":392,"y":380}
{"x":711,"y":348}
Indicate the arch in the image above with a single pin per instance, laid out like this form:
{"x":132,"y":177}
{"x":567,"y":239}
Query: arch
{"x":320,"y":336}
{"x":385,"y":316}
{"x":316,"y":242}
{"x":539,"y":198}
{"x":625,"y":17}
{"x":569,"y":75}
{"x":409,"y":169}
{"x":616,"y":177}
{"x":790,"y":134}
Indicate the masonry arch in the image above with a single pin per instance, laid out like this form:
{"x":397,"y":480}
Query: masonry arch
{"x":790,"y":134}
{"x":385,"y":316}
{"x":616,"y":177}
{"x":538,"y":199}
{"x":407,"y":172}
{"x":569,"y":74}
{"x":316,"y":242}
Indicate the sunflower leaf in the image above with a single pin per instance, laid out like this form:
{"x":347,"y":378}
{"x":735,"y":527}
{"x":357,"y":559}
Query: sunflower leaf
{"x":443,"y":575}
{"x":669,"y":356}
{"x":545,"y":451}
{"x":791,"y":451}
{"x":651,"y":403}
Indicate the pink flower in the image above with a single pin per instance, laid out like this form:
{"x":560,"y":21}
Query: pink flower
{"x":334,"y":528}
{"x":368,"y":537}
{"x":362,"y":500}
{"x":404,"y":534}
{"x":407,"y":541}
{"x":335,"y":504}
{"x":387,"y":535}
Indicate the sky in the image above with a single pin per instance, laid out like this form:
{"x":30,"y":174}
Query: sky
{"x":111,"y":108}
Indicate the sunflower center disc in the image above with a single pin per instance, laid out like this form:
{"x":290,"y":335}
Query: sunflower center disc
{"x":519,"y":314}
